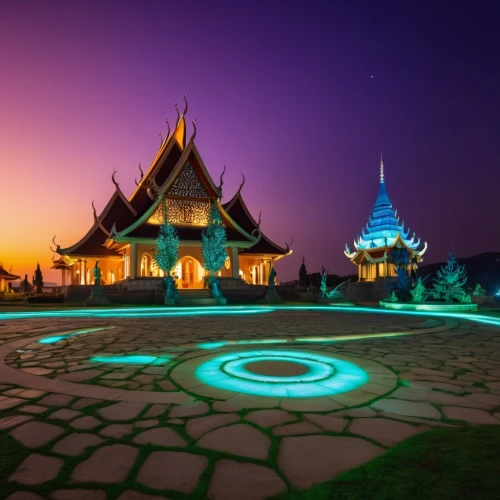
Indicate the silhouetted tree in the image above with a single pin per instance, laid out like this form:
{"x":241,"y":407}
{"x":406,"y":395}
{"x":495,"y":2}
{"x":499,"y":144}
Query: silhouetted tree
{"x":303,"y":274}
{"x":25,"y":286}
{"x":38,"y":279}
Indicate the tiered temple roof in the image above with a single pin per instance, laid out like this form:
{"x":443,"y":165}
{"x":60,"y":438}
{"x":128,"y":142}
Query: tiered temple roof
{"x":383,"y":230}
{"x":129,"y":219}
{"x":239,"y":212}
{"x":6,"y":275}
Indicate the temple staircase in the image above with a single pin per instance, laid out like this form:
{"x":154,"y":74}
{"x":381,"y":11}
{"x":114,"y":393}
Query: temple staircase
{"x":195,"y":297}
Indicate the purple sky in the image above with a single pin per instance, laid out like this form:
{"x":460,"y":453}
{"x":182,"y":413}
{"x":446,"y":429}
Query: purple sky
{"x":282,"y":91}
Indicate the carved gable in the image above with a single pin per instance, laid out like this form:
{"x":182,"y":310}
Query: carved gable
{"x":188,"y":184}
{"x":183,"y":213}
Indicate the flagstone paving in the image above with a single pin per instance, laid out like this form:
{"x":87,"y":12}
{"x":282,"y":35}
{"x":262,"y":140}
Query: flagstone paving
{"x":89,"y":430}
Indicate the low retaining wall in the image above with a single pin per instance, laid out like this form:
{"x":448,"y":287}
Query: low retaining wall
{"x":429,"y":306}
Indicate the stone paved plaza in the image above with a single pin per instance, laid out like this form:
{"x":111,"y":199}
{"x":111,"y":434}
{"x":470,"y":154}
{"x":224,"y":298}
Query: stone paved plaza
{"x":135,"y":408}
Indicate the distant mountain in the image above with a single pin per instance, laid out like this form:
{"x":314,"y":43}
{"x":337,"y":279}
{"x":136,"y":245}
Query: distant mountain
{"x":483,"y":269}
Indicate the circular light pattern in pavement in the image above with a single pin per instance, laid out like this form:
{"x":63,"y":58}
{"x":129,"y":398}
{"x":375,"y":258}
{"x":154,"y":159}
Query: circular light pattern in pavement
{"x":325,"y":375}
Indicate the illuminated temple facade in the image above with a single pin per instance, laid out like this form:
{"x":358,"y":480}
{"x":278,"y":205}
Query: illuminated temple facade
{"x":6,"y":277}
{"x":123,"y":236}
{"x":381,"y":235}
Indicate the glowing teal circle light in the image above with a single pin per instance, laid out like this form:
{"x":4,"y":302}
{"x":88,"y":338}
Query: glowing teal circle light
{"x":326,"y":376}
{"x":316,"y":369}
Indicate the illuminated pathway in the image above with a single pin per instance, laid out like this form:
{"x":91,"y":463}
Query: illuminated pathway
{"x":245,"y":405}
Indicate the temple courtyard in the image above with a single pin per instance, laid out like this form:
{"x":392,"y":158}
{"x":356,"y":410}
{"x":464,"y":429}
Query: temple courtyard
{"x":233,"y":403}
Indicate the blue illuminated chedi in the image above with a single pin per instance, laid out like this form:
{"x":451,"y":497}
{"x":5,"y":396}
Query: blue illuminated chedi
{"x":383,"y":227}
{"x":325,"y":376}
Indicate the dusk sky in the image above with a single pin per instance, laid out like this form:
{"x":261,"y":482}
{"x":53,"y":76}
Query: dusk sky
{"x":299,"y":96}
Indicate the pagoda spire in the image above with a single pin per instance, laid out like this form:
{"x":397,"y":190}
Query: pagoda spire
{"x":381,"y":169}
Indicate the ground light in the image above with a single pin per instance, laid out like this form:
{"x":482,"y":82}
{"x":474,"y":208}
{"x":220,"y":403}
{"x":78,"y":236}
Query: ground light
{"x":58,"y":338}
{"x":152,"y":312}
{"x":325,"y":376}
{"x":132,"y":359}
{"x":138,"y":312}
{"x":324,"y":339}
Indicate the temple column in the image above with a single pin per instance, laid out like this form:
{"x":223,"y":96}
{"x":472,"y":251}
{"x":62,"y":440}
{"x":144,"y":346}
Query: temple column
{"x":63,"y":273}
{"x":82,"y":272}
{"x":235,"y":263}
{"x":133,"y":261}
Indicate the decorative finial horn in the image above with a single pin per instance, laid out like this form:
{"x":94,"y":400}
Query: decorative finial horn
{"x":57,"y":246}
{"x":95,"y":215}
{"x":288,"y":246}
{"x":194,"y":126}
{"x":114,"y":181}
{"x":161,"y":139}
{"x":168,"y":125}
{"x":256,"y":233}
{"x":136,"y":183}
{"x":142,"y":173}
{"x":242,"y":184}
{"x":178,"y":115}
{"x":221,"y":181}
{"x":186,"y":107}
{"x":381,"y":168}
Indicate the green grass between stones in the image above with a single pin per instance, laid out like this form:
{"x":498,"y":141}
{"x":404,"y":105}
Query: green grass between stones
{"x":449,"y":464}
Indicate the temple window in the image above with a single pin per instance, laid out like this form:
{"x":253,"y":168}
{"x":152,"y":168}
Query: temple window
{"x":146,"y":265}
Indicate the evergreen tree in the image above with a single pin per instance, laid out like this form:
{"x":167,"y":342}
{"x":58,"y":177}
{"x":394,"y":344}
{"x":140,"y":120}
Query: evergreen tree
{"x":450,"y":280}
{"x":167,"y":250}
{"x":400,"y":257}
{"x":25,"y":285}
{"x":303,"y":274}
{"x":38,"y":279}
{"x":214,"y":246}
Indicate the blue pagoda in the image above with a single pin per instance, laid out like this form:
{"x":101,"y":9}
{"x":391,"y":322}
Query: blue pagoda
{"x":379,"y":237}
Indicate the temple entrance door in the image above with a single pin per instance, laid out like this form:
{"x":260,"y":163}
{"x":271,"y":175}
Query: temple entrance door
{"x":190,"y":272}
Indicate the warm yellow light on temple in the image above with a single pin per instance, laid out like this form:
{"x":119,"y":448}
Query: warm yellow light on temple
{"x":180,"y":133}
{"x":183,"y":212}
{"x":122,"y":239}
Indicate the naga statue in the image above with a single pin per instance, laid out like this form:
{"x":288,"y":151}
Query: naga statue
{"x":97,"y":274}
{"x":336,"y":294}
{"x":322,"y":288}
{"x":271,"y":281}
{"x":419,"y":293}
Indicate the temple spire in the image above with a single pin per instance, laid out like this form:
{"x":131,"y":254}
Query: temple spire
{"x":381,"y":168}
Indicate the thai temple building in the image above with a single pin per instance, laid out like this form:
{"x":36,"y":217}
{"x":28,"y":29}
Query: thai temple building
{"x":379,"y":237}
{"x":5,"y":278}
{"x":123,"y":236}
